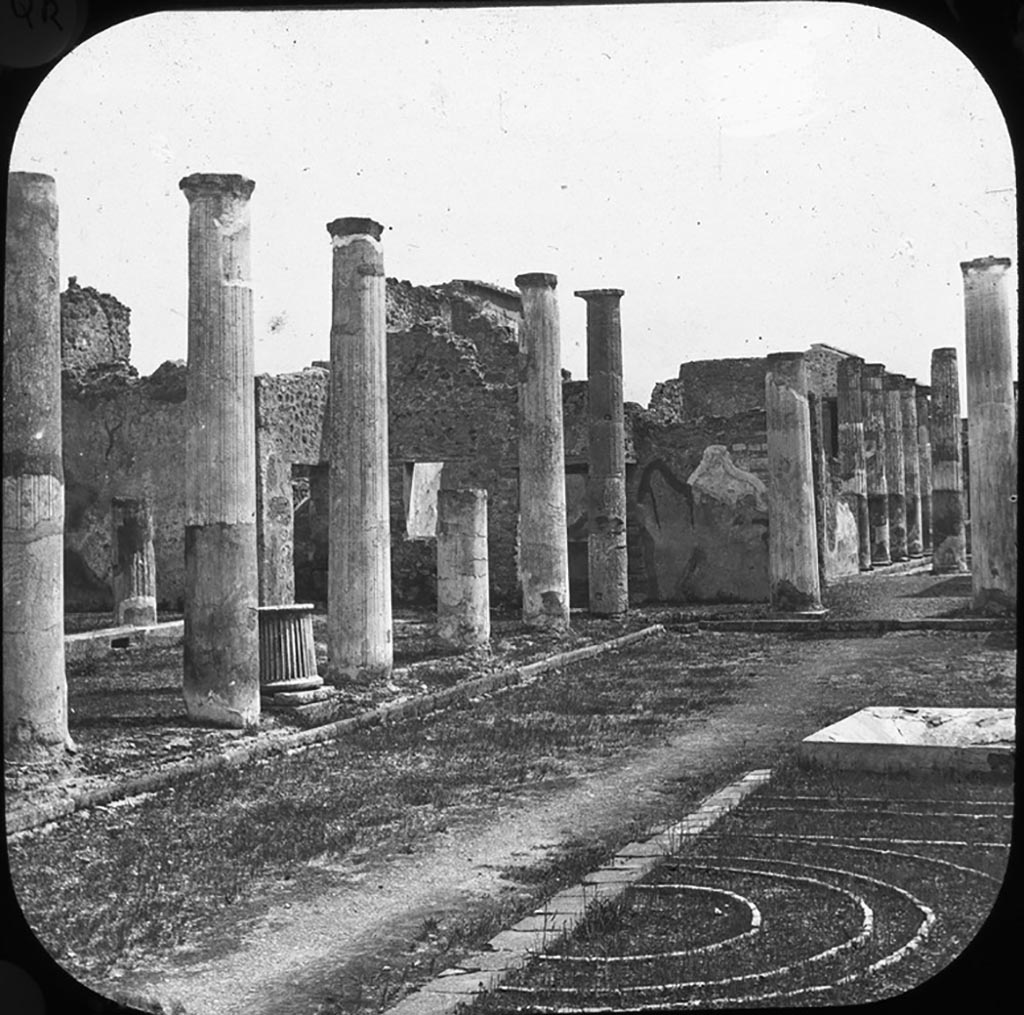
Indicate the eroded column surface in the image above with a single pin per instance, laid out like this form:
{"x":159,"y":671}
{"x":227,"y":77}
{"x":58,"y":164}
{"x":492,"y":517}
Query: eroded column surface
{"x":133,"y":574}
{"x":543,"y":537}
{"x":949,"y":538}
{"x":359,"y":630}
{"x":911,"y":466}
{"x":35,"y":689}
{"x":895,"y":466}
{"x":993,"y":459}
{"x":606,"y":476}
{"x":873,"y":377}
{"x":852,"y":460}
{"x":463,"y":596}
{"x":924,"y":448}
{"x":222,"y":677}
{"x":792,"y":541}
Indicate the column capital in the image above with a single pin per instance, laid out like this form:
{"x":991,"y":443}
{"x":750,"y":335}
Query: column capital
{"x":874,"y":370}
{"x":597,"y":294}
{"x":206,"y":184}
{"x":343,"y":227}
{"x":893,"y":382}
{"x":536,"y":279}
{"x":924,"y":389}
{"x":993,"y":264}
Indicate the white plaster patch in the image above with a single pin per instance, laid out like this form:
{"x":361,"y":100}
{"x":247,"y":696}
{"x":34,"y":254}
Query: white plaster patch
{"x":344,"y":241}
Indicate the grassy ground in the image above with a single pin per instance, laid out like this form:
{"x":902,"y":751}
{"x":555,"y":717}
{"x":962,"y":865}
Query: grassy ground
{"x":130,"y":881}
{"x":810,"y":851}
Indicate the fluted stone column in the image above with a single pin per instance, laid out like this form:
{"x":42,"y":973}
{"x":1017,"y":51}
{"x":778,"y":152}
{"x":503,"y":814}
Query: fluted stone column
{"x":463,"y":596}
{"x":911,"y":466}
{"x":990,"y":409}
{"x":792,"y":539}
{"x":606,"y":479}
{"x":359,"y":631}
{"x":133,"y":575}
{"x":949,"y":538}
{"x":895,"y":466}
{"x":222,"y":675}
{"x":924,"y":448}
{"x":852,"y":462}
{"x":35,"y":690}
{"x":873,"y":377}
{"x":543,"y":535}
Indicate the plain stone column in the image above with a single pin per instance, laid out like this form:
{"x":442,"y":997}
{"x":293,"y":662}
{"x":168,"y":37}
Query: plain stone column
{"x":792,"y":539}
{"x":543,"y":534}
{"x":924,"y":448}
{"x":949,"y":538}
{"x":911,"y":466}
{"x":895,"y":466}
{"x":35,"y":690}
{"x":359,"y":630}
{"x":133,"y":575}
{"x":852,"y":462}
{"x":990,"y":409}
{"x":607,"y":558}
{"x":873,"y":378}
{"x":222,"y":672}
{"x":463,"y":597}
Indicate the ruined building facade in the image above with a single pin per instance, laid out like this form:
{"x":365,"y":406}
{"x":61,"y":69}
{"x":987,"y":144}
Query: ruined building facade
{"x":696,"y":459}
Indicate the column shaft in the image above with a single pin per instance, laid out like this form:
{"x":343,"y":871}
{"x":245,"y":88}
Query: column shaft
{"x":359,"y":630}
{"x":463,"y":597}
{"x":792,"y":542}
{"x":873,"y":376}
{"x":911,"y":466}
{"x":895,"y":466}
{"x":949,"y":538}
{"x":543,"y":535}
{"x":34,"y":684}
{"x":133,"y":575}
{"x":221,"y":676}
{"x":924,"y":448}
{"x":852,"y":457}
{"x":606,"y":479}
{"x":993,"y":459}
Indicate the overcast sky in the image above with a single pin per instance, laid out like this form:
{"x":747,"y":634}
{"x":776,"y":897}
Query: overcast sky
{"x":756,"y":177}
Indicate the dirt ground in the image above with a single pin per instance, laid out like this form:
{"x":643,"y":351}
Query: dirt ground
{"x":297,"y":954}
{"x":381,"y":924}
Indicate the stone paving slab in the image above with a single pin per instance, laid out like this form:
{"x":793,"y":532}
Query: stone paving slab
{"x":908,"y":739}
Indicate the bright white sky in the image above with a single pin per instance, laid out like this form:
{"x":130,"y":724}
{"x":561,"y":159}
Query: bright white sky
{"x":757,"y":177}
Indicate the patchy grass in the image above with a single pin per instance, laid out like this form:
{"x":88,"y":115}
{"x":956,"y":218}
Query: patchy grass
{"x":108,"y":887}
{"x":797,"y":851}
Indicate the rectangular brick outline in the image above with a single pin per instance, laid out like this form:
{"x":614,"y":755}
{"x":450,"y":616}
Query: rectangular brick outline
{"x":513,"y":948}
{"x":32,"y":816}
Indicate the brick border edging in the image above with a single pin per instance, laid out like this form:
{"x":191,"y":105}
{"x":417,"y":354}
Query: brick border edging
{"x":840,"y":625}
{"x":512,"y":948}
{"x":33,"y":816}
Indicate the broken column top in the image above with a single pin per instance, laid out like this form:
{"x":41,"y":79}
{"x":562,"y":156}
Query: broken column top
{"x":909,"y":383}
{"x":893,"y":382}
{"x":30,"y":178}
{"x":874,"y":369}
{"x":924,"y":389}
{"x":355,"y":227}
{"x":536,"y":278}
{"x":985,"y":264}
{"x":596,"y":293}
{"x":216,"y":183}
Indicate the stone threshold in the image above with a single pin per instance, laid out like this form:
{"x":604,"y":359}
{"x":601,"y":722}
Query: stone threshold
{"x":560,"y":915}
{"x":31,"y":816}
{"x":101,"y":643}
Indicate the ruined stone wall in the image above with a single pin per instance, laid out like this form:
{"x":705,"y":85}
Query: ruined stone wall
{"x":711,"y":387}
{"x":123,"y":437}
{"x":679,"y":549}
{"x":94,"y":328}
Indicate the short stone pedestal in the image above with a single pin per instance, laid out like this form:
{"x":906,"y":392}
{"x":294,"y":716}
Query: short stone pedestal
{"x":287,"y":655}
